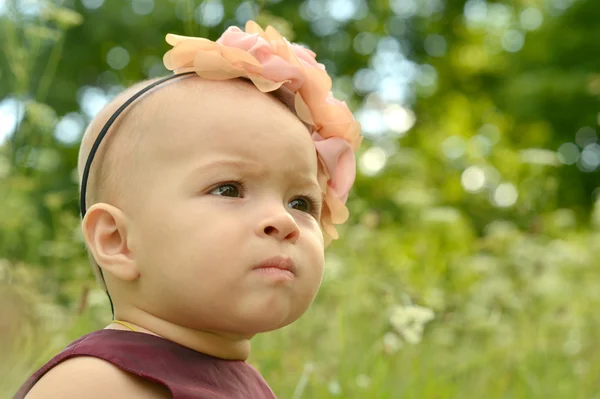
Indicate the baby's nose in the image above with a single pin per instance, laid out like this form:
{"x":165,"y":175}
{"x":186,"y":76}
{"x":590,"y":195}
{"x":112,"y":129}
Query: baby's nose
{"x":280,"y":225}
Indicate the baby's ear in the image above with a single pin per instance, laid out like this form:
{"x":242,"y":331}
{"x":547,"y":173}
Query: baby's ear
{"x":105,"y":229}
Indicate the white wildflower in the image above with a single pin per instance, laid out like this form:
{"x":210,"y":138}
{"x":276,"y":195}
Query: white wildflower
{"x":391,"y":343}
{"x":409,"y":321}
{"x":363,"y":381}
{"x":334,"y":388}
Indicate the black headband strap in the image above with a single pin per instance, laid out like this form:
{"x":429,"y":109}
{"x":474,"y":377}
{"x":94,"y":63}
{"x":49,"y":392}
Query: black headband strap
{"x":103,"y":132}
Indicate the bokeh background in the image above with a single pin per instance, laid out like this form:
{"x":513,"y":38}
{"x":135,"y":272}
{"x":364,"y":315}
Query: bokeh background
{"x":469,"y":267}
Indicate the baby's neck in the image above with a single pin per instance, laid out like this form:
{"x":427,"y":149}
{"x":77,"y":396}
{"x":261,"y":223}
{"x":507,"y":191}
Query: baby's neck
{"x":217,"y":345}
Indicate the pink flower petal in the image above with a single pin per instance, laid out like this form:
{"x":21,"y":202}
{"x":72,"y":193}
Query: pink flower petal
{"x":338,"y":157}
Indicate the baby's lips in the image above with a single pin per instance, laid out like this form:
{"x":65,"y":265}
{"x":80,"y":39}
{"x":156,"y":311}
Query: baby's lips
{"x":280,"y":262}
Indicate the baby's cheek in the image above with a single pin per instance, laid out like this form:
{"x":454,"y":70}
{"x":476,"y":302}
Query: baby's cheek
{"x":314,"y":268}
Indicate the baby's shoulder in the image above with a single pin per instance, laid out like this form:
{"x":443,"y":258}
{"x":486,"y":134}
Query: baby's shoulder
{"x":90,"y":377}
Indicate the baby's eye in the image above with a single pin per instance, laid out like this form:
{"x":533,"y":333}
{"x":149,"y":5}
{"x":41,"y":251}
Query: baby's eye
{"x":233,"y":189}
{"x":302,"y":204}
{"x":305,"y":204}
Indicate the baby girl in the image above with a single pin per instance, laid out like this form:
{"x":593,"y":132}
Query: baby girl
{"x":207,"y":199}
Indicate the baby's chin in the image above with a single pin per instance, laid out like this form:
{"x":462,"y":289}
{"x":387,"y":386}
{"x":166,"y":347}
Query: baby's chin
{"x":267,"y":310}
{"x":264,"y":325}
{"x":262,"y":322}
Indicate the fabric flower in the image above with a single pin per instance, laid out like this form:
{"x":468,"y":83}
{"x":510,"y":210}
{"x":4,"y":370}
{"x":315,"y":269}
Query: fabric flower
{"x":271,"y":62}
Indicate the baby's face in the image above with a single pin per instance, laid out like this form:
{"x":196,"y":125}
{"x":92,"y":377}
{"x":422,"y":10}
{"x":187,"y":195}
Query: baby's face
{"x":227,"y":185}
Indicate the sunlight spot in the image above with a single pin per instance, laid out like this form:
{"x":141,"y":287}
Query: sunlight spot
{"x":399,"y":119}
{"x":539,"y":156}
{"x":70,"y":128}
{"x":404,"y":8}
{"x":475,"y":11}
{"x":11,"y":114}
{"x":117,"y":58}
{"x":586,"y":135}
{"x":325,"y":26}
{"x":473,"y":179}
{"x":342,"y":10}
{"x":372,"y":121}
{"x":372,"y":161}
{"x":29,"y":8}
{"x":491,"y":132}
{"x":568,"y":153}
{"x":142,"y":7}
{"x":210,"y":13}
{"x":427,"y":75}
{"x":435,"y":45}
{"x":246,"y":11}
{"x":499,"y":16}
{"x":505,"y":195}
{"x":531,"y":18}
{"x":453,"y":147}
{"x":365,"y":80}
{"x":590,"y":158}
{"x":365,"y":43}
{"x":92,"y":100}
{"x":92,"y":4}
{"x":513,"y":41}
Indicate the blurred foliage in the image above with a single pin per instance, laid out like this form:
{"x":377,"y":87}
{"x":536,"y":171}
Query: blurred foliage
{"x":476,"y":203}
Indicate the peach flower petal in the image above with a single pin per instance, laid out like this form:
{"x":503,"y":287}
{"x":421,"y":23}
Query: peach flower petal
{"x":302,"y":109}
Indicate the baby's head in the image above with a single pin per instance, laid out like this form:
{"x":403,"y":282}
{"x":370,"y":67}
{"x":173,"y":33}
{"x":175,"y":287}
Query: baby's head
{"x":200,"y":181}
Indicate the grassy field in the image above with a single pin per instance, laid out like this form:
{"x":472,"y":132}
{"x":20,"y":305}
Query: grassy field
{"x":513,"y":319}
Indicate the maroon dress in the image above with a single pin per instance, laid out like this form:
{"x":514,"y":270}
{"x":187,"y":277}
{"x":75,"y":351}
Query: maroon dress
{"x":186,"y":373}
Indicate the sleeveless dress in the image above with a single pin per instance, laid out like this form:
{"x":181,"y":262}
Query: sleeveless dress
{"x":186,"y":373}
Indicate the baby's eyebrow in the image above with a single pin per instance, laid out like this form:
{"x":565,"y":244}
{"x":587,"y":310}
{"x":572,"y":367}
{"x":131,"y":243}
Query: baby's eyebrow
{"x":238,"y":164}
{"x":257,"y":170}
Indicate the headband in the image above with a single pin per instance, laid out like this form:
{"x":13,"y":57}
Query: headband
{"x":270,"y":62}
